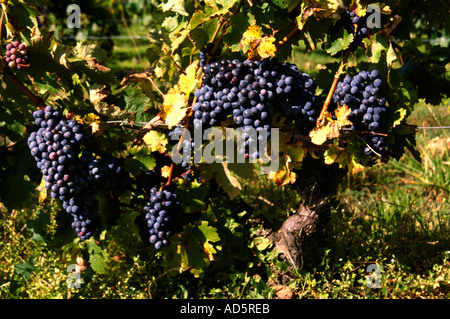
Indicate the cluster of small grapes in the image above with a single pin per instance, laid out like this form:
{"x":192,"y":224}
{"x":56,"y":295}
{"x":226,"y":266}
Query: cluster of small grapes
{"x":353,"y":24}
{"x":253,"y":91}
{"x":16,"y":55}
{"x":161,"y":209}
{"x":361,"y":94}
{"x":71,"y":178}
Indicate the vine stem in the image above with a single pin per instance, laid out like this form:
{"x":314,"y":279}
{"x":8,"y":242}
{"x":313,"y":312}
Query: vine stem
{"x":287,"y":37}
{"x":22,"y":88}
{"x":342,"y":65}
{"x":333,"y":87}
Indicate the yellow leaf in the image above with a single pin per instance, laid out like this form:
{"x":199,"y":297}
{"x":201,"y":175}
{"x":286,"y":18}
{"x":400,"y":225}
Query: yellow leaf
{"x":356,"y":167}
{"x":252,"y":33}
{"x":42,"y":191}
{"x":282,"y":177}
{"x":340,"y":155}
{"x":330,"y":128}
{"x":266,"y":48}
{"x":174,"y":108}
{"x":319,"y":135}
{"x":155,"y":141}
{"x":402,"y":114}
{"x":165,"y":171}
{"x":93,"y":121}
{"x":342,"y":113}
{"x":256,"y":46}
{"x":188,"y":81}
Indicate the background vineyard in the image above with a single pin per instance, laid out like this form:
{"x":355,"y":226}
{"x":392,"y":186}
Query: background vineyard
{"x":395,"y":214}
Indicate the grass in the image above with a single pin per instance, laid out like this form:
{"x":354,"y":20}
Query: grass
{"x":125,"y":56}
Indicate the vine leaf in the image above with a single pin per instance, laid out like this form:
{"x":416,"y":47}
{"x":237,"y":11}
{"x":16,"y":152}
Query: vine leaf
{"x":97,"y":256}
{"x":142,"y":159}
{"x":174,"y":107}
{"x":94,"y":122}
{"x":330,"y":128}
{"x":175,"y":6}
{"x":318,"y":8}
{"x":340,"y":44}
{"x":188,"y":81}
{"x":194,"y":247}
{"x":283,"y":176}
{"x":42,"y":191}
{"x":391,"y":56}
{"x":256,"y":46}
{"x":156,"y":141}
{"x":340,"y":155}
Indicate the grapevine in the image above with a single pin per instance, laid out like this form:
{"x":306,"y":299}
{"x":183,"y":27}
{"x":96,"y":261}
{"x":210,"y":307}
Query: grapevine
{"x":105,"y":142}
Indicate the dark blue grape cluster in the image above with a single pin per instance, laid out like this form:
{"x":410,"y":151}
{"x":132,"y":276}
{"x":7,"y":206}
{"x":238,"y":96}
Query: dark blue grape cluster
{"x":161,"y":209}
{"x":16,"y":55}
{"x":72,"y":178}
{"x":252,"y":92}
{"x":353,"y":24}
{"x":361,"y":93}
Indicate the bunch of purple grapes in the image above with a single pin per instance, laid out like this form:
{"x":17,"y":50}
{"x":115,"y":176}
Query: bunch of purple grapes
{"x":72,"y":178}
{"x":361,"y":93}
{"x":16,"y":55}
{"x":252,"y":92}
{"x":161,"y":209}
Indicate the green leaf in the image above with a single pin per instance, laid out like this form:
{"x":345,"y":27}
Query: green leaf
{"x":209,"y":232}
{"x":137,"y":102}
{"x":38,"y":226}
{"x":238,"y":25}
{"x":262,"y":243}
{"x":340,"y":44}
{"x":97,"y":256}
{"x":142,"y":160}
{"x":97,"y":263}
{"x":18,"y":18}
{"x":25,"y":269}
{"x":192,"y":195}
{"x":376,"y":46}
{"x":195,"y":249}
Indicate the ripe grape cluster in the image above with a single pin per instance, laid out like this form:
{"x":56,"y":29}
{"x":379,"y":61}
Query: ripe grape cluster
{"x":16,"y":55}
{"x":361,"y":93}
{"x":161,"y":209}
{"x":353,"y":24}
{"x":68,"y":176}
{"x":253,"y":92}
